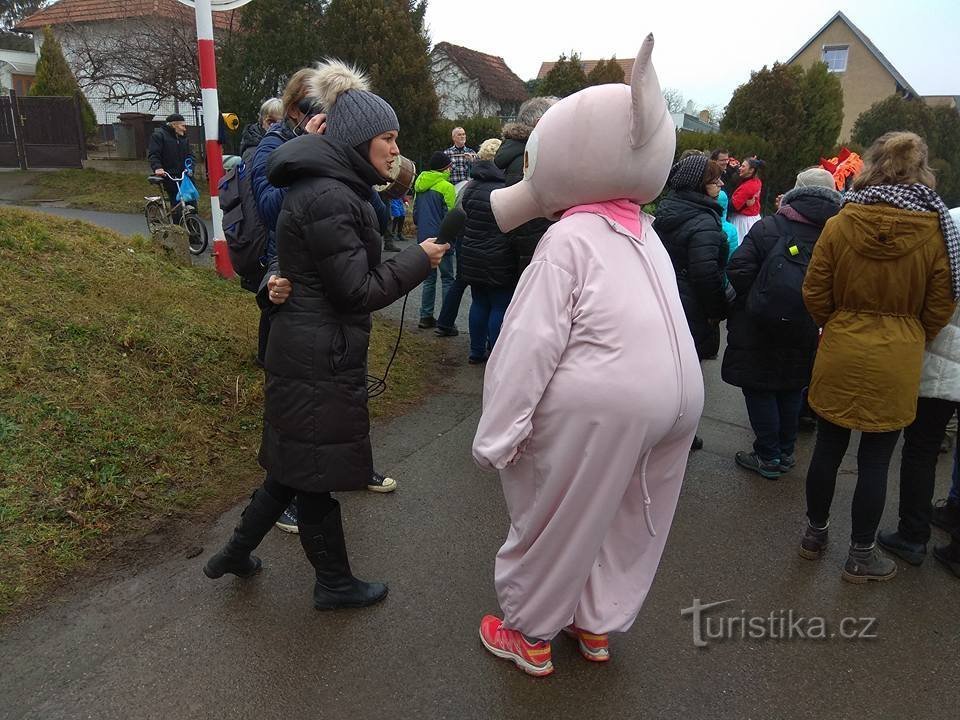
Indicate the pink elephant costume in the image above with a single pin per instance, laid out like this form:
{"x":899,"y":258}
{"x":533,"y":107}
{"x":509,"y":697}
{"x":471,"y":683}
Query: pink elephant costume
{"x":593,"y":392}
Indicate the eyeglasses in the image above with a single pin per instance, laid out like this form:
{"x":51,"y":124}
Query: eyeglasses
{"x":718,"y":182}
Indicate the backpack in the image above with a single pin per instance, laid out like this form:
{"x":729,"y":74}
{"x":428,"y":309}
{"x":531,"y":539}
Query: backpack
{"x":245,"y":233}
{"x":775,"y":299}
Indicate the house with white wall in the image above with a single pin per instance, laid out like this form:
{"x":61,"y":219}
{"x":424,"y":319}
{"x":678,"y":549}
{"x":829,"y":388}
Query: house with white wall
{"x":474,"y":84}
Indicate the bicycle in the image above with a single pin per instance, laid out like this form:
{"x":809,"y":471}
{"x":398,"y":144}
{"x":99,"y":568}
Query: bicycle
{"x":159,"y":214}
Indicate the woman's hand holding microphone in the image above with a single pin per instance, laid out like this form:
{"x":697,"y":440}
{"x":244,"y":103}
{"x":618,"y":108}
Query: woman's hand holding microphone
{"x":434,"y":251}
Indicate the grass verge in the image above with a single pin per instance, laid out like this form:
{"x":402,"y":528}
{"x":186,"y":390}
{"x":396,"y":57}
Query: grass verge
{"x":91,"y":189}
{"x":128,"y":394}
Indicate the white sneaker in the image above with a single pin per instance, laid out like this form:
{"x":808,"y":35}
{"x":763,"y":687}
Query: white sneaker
{"x":381,"y":483}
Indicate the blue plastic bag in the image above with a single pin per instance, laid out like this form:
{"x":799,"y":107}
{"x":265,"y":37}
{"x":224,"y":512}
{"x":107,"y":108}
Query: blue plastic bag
{"x":188,"y":191}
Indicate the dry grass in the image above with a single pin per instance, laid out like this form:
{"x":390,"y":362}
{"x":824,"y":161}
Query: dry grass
{"x":128,"y":394}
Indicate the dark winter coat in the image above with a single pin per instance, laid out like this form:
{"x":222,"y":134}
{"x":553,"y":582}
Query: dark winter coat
{"x":252,"y":135}
{"x":755,"y":358}
{"x":486,"y":255}
{"x":509,"y":158}
{"x":316,"y":427}
{"x":169,"y":151}
{"x":688,"y":223}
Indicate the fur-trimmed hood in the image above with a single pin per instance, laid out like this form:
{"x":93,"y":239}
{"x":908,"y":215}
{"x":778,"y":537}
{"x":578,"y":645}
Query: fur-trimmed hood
{"x":517,"y":131}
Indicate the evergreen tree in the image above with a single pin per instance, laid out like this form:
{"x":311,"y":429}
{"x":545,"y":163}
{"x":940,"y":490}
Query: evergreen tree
{"x":388,"y":40}
{"x":272,"y":41}
{"x":565,"y":78}
{"x":606,"y":71}
{"x":54,"y":77}
{"x":798,"y":112}
{"x":533,"y":87}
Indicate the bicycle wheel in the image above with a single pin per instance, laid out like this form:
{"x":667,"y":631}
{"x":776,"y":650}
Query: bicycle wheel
{"x":197,"y":230}
{"x":155,"y":215}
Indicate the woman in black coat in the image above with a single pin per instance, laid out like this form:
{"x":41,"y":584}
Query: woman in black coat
{"x":688,"y":223}
{"x":488,"y":258}
{"x":770,"y":365}
{"x":316,"y":427}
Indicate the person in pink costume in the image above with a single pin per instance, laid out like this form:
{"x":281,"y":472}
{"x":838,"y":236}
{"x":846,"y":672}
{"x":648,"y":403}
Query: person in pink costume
{"x":593,"y":392}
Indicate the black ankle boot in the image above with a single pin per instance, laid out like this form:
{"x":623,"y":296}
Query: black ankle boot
{"x":255,"y":522}
{"x":336,"y":587}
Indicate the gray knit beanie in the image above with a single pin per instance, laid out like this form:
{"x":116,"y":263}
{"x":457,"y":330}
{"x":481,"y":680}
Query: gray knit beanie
{"x":354,"y":114}
{"x":358,"y":116}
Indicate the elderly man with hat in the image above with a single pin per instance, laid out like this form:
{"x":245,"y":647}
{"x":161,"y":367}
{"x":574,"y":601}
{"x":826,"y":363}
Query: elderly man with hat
{"x":168,"y":153}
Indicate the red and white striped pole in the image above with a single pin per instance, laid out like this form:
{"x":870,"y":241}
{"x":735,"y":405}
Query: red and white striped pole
{"x":211,"y":121}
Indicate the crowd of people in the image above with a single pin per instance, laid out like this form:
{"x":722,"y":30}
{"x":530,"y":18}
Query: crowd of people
{"x":593,"y":317}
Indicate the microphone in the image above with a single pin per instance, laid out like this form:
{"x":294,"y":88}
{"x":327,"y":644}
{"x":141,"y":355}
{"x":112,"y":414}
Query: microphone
{"x":451,"y":226}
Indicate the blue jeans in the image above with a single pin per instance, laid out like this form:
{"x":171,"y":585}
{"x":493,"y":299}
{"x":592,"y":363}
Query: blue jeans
{"x":447,"y":319}
{"x":428,"y":293}
{"x":774,"y":417}
{"x":486,"y":316}
{"x":955,"y":487}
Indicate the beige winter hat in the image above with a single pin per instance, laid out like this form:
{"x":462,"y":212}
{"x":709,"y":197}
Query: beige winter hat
{"x":815,"y":177}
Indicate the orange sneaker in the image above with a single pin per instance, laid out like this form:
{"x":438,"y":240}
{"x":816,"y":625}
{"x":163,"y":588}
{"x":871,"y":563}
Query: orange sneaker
{"x":532,"y":658}
{"x":595,"y":648}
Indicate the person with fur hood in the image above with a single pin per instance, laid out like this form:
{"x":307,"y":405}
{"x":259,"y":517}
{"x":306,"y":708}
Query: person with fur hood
{"x":770,"y":364}
{"x":593,"y":391}
{"x":509,"y":158}
{"x":316,"y":434}
{"x":939,"y":401}
{"x":882,"y":283}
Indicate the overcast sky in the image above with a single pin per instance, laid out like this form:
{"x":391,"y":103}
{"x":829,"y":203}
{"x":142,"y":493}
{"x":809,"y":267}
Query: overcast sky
{"x":705,"y":49}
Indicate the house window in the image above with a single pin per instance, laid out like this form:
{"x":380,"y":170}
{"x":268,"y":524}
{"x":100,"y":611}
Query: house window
{"x":835,"y":56}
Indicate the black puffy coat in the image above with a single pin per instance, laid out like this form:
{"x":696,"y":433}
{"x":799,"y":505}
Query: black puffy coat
{"x":486,"y":255}
{"x":757,"y":359}
{"x":509,"y":158}
{"x":688,"y":223}
{"x":316,"y":427}
{"x":168,"y":150}
{"x":252,"y":135}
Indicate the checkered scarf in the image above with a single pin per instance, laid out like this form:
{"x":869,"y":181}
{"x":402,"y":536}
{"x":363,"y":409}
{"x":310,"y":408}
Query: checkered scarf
{"x":918,"y":198}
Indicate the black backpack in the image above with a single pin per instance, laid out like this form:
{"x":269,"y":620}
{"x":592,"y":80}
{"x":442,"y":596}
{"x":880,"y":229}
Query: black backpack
{"x":245,"y":233}
{"x":775,"y":299}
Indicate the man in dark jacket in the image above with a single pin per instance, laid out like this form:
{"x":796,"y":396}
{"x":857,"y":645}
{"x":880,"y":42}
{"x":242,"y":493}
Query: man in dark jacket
{"x":168,"y":153}
{"x":771,"y":365}
{"x":510,"y":159}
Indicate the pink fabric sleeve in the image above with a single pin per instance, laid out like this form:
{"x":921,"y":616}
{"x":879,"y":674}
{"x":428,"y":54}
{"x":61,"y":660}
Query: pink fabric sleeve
{"x":533,"y":338}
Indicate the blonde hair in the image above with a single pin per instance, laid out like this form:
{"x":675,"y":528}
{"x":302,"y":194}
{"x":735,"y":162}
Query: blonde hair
{"x":896,"y":158}
{"x":489,"y":149}
{"x":297,"y":88}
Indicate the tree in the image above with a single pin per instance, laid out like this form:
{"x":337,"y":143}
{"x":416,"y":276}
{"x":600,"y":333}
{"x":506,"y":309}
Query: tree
{"x":939,"y":126}
{"x":271,"y":42}
{"x":54,"y":77}
{"x":674,"y":99}
{"x":606,"y":71}
{"x":533,"y":87}
{"x":565,"y":78}
{"x":13,"y":11}
{"x":798,"y":112}
{"x":388,"y":39}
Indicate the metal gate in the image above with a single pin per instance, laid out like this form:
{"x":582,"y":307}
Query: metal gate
{"x":41,"y":132}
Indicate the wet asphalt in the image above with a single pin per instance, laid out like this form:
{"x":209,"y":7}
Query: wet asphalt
{"x":163,"y":641}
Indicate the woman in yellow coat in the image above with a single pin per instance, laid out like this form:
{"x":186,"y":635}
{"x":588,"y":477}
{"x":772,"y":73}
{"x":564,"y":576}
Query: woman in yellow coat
{"x":881,"y":283}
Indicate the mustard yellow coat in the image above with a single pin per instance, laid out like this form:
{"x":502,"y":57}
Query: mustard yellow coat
{"x":879,"y":286}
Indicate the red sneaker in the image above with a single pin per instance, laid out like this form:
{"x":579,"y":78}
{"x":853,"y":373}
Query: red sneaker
{"x":595,"y":648}
{"x":532,"y":658}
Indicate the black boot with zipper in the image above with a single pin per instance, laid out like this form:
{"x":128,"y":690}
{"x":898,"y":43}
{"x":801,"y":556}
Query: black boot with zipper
{"x":255,"y":522}
{"x":326,"y":549}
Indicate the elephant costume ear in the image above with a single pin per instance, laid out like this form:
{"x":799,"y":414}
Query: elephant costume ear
{"x":648,"y":106}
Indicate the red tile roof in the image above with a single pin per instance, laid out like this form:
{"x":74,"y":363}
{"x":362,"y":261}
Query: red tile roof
{"x":495,"y":78}
{"x":588,"y":65}
{"x":81,"y":11}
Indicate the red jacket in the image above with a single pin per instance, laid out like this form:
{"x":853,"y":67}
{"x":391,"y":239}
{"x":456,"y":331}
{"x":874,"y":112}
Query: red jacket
{"x":746,"y":190}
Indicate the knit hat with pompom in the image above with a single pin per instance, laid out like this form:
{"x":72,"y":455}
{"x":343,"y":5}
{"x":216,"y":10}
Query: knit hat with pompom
{"x":354,"y":114}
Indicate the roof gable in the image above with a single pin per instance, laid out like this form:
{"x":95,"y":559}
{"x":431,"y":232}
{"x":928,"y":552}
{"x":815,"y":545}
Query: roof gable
{"x":496,"y":79}
{"x":588,"y":65}
{"x":867,"y":43}
{"x":66,"y":12}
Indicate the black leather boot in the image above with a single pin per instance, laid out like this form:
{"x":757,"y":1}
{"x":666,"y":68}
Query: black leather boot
{"x":255,"y":522}
{"x":326,"y":549}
